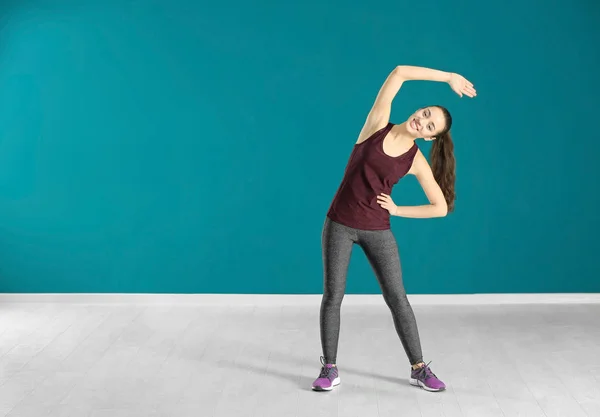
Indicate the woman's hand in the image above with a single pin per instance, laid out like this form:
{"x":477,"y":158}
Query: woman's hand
{"x":461,"y":85}
{"x":387,"y":203}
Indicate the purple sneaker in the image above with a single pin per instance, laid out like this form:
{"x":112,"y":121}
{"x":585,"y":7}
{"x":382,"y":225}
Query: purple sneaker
{"x":426,"y":379}
{"x":328,"y":378}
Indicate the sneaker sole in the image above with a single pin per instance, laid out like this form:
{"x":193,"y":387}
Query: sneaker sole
{"x":334,"y":384}
{"x":418,"y":383}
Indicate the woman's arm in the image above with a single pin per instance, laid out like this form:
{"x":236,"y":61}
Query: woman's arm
{"x":379,"y":115}
{"x":412,"y":73}
{"x":458,"y":83}
{"x":437,"y":207}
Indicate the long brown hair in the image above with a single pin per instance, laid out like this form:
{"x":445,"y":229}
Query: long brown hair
{"x":443,"y":163}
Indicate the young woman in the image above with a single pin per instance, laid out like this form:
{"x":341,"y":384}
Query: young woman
{"x":361,"y":209}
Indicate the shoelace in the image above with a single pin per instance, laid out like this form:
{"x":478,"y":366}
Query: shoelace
{"x":427,"y":371}
{"x":324,"y":370}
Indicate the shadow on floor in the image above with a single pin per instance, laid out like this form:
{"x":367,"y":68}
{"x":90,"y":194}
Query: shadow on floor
{"x":302,"y":381}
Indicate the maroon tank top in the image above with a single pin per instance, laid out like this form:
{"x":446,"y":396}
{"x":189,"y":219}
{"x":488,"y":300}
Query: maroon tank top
{"x":369,"y":172}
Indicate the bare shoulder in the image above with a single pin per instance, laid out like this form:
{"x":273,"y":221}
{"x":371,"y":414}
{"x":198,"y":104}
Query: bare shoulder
{"x":370,"y":128}
{"x":420,"y":164}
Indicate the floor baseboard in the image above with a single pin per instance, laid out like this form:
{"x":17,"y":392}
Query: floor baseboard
{"x":296,"y":300}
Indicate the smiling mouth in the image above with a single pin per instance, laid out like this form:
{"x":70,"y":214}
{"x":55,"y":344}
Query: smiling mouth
{"x":414,"y":124}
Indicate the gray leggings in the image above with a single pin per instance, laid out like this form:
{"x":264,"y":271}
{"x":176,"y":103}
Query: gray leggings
{"x":381,"y":250}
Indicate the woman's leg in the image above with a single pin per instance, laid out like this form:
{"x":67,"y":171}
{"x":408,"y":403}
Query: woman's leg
{"x":337,"y":241}
{"x":381,"y":250}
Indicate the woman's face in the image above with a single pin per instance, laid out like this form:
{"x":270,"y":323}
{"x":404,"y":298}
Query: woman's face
{"x":426,"y":123}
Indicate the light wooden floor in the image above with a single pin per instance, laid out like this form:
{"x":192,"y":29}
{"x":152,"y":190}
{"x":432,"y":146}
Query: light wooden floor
{"x":67,"y":360}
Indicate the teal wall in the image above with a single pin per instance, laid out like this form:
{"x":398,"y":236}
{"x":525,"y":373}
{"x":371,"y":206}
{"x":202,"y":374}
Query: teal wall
{"x":194,"y":147}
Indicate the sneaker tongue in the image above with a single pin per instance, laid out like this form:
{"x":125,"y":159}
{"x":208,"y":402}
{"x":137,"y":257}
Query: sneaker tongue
{"x":428,"y":372}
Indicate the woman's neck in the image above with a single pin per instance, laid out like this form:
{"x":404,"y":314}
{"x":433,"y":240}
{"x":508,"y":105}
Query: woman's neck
{"x":401,"y":135}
